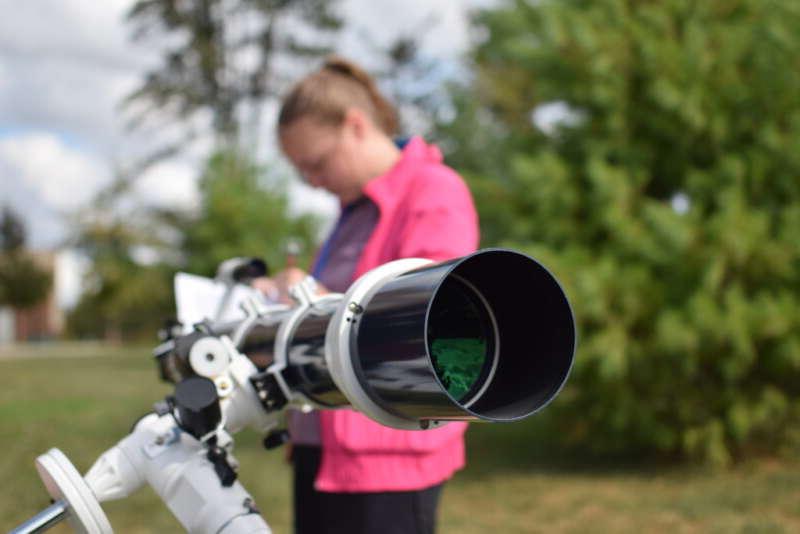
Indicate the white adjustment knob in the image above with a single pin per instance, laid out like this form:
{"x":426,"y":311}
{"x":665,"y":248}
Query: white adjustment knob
{"x":209,"y":357}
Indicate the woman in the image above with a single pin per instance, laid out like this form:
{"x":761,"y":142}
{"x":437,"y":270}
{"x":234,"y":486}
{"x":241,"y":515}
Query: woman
{"x":397,"y":201}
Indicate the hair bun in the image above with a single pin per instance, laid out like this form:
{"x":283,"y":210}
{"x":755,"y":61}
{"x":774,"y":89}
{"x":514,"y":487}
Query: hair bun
{"x":344,"y":67}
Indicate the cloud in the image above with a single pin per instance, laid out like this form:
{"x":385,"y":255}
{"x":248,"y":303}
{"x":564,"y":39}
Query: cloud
{"x":71,"y":68}
{"x":63,"y":177}
{"x":78,"y":31}
{"x":43,"y":178}
{"x":78,"y":103}
{"x":441,"y":25}
{"x":169,"y":184}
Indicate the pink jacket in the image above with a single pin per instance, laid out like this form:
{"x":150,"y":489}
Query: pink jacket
{"x":426,"y":211}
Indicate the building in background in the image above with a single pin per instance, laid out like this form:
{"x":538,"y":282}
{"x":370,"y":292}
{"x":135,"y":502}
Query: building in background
{"x":42,"y":321}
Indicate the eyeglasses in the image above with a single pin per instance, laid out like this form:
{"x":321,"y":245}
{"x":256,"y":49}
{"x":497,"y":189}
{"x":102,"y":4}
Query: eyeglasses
{"x":320,"y":163}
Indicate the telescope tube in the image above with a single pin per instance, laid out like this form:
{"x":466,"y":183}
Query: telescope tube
{"x":486,"y":337}
{"x":490,"y":336}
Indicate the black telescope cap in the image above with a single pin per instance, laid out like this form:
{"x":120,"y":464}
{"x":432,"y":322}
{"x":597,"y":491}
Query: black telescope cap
{"x":197,"y":404}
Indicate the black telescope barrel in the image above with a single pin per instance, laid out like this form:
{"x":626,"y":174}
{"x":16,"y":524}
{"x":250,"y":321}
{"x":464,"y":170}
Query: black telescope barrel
{"x":490,"y":336}
{"x":391,"y":356}
{"x":258,"y":342}
{"x":307,"y":371}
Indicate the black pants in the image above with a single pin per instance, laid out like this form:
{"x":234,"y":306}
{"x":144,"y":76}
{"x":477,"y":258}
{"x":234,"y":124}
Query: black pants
{"x":391,"y":512}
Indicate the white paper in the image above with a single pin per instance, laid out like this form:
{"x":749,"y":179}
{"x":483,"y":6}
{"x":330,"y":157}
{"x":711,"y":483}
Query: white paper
{"x":198,"y":298}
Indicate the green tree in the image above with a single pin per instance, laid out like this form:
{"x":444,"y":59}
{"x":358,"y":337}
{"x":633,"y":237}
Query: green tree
{"x":23,"y":282}
{"x":134,"y":255}
{"x":12,"y":231}
{"x":665,"y":195}
{"x":124,"y":298}
{"x":225,"y":58}
{"x":244,"y":211}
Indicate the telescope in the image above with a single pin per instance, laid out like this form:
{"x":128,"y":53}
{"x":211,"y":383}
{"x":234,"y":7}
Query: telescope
{"x":412,"y":344}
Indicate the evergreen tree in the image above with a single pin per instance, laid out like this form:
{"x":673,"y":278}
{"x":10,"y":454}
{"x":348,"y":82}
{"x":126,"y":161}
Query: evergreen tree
{"x":225,"y":59}
{"x":665,"y":194}
{"x":12,"y":231}
{"x":23,"y":283}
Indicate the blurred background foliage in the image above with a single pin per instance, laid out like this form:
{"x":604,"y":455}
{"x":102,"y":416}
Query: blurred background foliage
{"x":22,"y":281}
{"x":225,"y":60}
{"x":243,"y":212}
{"x":647,"y":152}
{"x":666,"y":197}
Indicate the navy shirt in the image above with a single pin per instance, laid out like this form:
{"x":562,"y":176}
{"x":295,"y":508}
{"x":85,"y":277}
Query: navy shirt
{"x":340,"y":253}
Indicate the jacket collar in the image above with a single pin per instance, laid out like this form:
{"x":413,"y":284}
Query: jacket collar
{"x":389,"y":188}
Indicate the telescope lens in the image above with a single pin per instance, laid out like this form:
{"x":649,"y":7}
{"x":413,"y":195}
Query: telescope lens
{"x":461,"y":339}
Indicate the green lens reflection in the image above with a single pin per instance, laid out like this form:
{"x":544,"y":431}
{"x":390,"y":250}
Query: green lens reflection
{"x":460,"y":339}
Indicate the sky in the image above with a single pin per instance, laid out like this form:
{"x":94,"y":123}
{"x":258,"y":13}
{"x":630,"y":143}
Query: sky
{"x":65,"y":67}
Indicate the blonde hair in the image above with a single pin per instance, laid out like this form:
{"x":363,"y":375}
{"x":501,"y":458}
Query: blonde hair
{"x":327,"y":93}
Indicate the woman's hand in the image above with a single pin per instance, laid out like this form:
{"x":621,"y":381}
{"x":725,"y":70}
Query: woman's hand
{"x":267,"y":287}
{"x":277,"y":287}
{"x":288,"y":278}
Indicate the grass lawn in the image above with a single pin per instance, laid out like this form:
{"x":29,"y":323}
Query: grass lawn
{"x":82,"y":399}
